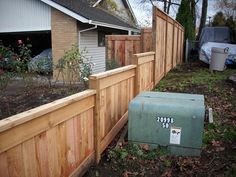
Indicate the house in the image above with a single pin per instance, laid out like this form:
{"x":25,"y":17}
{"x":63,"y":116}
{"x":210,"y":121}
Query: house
{"x":58,"y":24}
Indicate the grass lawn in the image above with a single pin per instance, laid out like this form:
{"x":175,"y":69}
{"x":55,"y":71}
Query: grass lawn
{"x":218,"y":157}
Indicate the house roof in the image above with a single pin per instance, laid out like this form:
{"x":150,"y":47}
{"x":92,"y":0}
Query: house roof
{"x":94,"y":15}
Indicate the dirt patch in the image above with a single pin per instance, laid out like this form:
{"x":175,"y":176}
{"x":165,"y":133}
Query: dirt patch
{"x":218,"y":157}
{"x":19,"y":97}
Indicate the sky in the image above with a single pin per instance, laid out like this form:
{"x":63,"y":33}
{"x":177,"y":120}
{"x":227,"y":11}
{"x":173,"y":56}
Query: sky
{"x":144,"y":15}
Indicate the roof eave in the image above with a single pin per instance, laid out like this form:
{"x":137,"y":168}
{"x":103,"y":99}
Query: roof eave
{"x":66,"y":11}
{"x":85,"y":20}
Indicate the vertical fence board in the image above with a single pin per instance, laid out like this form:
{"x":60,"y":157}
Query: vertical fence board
{"x":4,"y":165}
{"x":29,"y":158}
{"x":15,"y":162}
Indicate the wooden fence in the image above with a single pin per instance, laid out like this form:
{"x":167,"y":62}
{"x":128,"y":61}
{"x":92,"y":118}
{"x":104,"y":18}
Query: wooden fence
{"x":168,"y":38}
{"x":65,"y":137}
{"x":144,"y":71}
{"x":115,"y":89}
{"x":122,"y":47}
{"x":53,"y":140}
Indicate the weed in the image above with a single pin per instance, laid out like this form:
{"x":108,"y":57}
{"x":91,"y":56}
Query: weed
{"x":112,"y":64}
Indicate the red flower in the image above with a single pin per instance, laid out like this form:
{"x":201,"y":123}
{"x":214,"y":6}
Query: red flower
{"x":20,"y":42}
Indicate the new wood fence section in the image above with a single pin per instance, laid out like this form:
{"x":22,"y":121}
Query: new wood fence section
{"x":144,"y":71}
{"x":53,"y":140}
{"x":65,"y":137}
{"x":122,"y":47}
{"x":115,"y":89}
{"x":168,"y":38}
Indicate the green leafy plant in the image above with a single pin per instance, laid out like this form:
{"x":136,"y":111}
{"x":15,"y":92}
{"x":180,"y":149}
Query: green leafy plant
{"x":74,"y":66}
{"x":5,"y":79}
{"x":112,"y":64}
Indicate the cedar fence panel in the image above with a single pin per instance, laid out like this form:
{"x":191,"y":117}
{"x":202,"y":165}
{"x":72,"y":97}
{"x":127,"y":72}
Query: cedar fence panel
{"x":115,"y":89}
{"x":122,"y":47}
{"x":146,"y":40}
{"x":167,"y":43}
{"x":144,"y":71}
{"x":55,"y":139}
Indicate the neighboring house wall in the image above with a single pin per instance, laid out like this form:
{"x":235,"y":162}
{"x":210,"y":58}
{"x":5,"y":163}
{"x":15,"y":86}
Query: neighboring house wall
{"x":64,"y":35}
{"x":24,"y":15}
{"x":119,"y":9}
{"x":89,"y":42}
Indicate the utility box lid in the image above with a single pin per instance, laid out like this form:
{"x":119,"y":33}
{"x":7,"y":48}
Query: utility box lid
{"x":174,"y":120}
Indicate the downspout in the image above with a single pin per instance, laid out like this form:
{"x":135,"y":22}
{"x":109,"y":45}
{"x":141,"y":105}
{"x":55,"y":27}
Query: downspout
{"x":84,"y":30}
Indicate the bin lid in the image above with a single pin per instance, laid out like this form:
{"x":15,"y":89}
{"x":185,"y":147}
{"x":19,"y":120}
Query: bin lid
{"x":220,"y":50}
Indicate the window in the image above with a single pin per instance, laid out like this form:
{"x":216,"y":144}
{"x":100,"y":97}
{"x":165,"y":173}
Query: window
{"x":101,"y":39}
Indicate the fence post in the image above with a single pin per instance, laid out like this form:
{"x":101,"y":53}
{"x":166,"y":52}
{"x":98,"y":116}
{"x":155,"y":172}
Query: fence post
{"x":137,"y":75}
{"x":154,"y":33}
{"x":94,"y":84}
{"x":173,"y":46}
{"x":165,"y":58}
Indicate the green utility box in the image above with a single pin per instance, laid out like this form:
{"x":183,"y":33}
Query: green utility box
{"x":172,"y":120}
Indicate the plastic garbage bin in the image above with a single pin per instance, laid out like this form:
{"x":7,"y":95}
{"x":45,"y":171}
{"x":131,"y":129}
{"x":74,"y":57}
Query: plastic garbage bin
{"x":218,"y":58}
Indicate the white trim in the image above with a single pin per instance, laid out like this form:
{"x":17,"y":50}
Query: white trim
{"x":66,"y":11}
{"x":96,"y":3}
{"x":26,"y":30}
{"x":114,"y":26}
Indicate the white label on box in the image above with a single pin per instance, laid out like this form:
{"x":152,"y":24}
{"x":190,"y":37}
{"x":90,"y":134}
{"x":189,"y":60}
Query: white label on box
{"x":175,"y":135}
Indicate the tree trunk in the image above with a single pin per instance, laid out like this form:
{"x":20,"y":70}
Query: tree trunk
{"x":165,"y":5}
{"x":203,"y":17}
{"x":168,"y":7}
{"x":193,"y":9}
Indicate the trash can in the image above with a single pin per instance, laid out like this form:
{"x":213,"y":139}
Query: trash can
{"x":218,"y":58}
{"x":171,"y":120}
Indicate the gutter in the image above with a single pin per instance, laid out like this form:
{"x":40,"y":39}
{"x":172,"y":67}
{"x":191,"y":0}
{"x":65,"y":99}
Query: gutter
{"x":114,"y":26}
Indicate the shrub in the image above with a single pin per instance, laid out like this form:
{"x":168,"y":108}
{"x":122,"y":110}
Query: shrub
{"x":75,"y":66}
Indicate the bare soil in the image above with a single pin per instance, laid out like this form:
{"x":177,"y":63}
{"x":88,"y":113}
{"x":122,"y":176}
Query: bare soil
{"x":19,"y":96}
{"x":218,"y":157}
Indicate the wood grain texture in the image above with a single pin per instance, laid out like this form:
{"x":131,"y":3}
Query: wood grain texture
{"x":58,"y":150}
{"x":167,"y":43}
{"x":122,"y":47}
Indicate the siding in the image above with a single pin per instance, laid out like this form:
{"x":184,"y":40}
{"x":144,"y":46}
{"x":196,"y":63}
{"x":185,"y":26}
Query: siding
{"x":24,"y":15}
{"x":89,"y":41}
